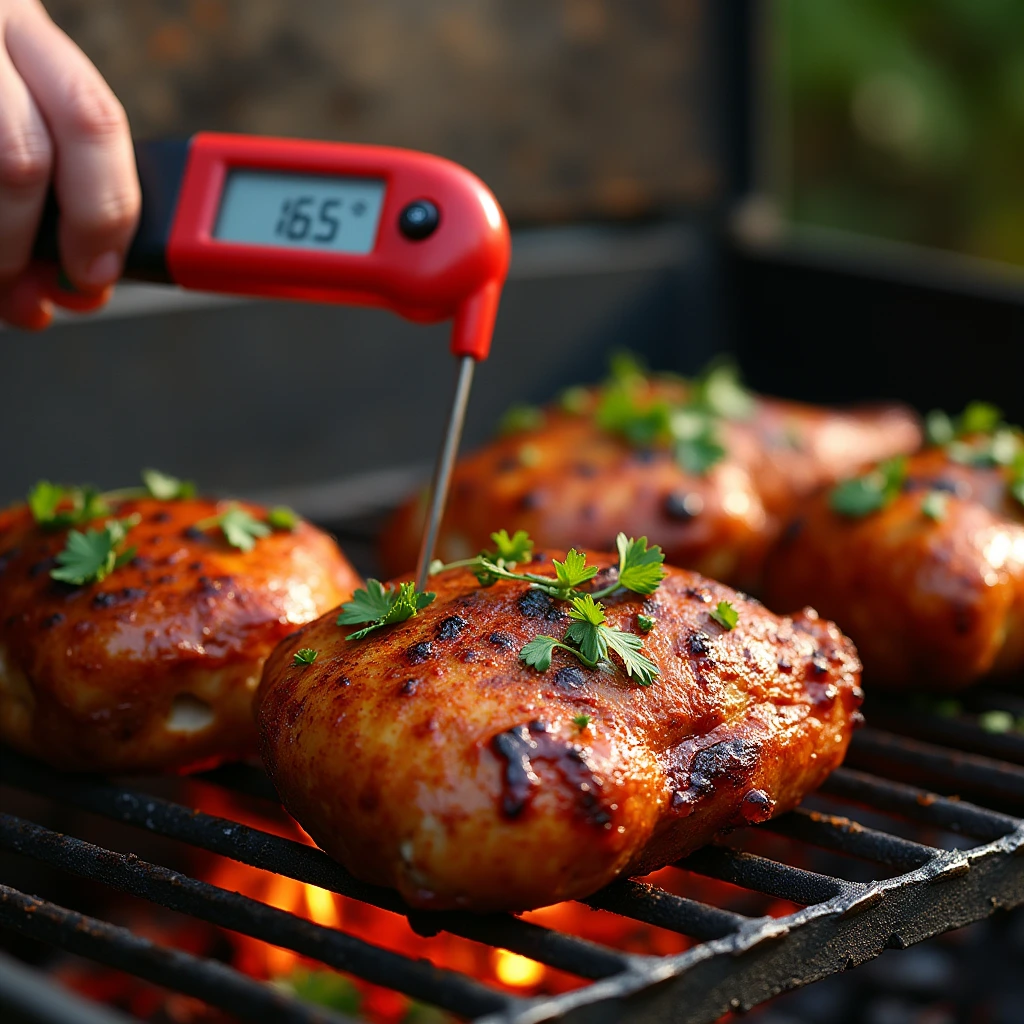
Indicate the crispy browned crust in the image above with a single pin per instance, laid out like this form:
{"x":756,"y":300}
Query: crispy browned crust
{"x":929,"y":604}
{"x":120,"y":675}
{"x":428,"y":757}
{"x":570,"y":483}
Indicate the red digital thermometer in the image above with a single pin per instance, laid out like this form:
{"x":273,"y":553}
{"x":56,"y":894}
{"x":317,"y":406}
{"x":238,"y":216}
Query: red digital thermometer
{"x":326,"y":222}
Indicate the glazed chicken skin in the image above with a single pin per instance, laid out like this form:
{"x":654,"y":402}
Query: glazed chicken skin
{"x":934,"y":603}
{"x":428,"y":757}
{"x":571,"y":481}
{"x":155,"y":667}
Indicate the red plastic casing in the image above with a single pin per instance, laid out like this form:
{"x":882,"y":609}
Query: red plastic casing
{"x":457,"y":272}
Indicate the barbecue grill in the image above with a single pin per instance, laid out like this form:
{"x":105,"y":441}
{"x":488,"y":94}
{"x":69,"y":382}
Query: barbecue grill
{"x":917,"y":834}
{"x":950,"y":788}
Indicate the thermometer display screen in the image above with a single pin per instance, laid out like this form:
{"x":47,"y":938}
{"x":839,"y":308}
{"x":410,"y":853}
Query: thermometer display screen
{"x":300,"y":211}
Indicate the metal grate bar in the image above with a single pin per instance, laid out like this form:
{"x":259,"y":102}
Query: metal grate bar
{"x":832,"y":832}
{"x":213,"y":982}
{"x":918,"y":805}
{"x":941,"y":765}
{"x":308,"y":864}
{"x":954,"y":732}
{"x":665,"y":910}
{"x":238,"y":913}
{"x":764,"y":875}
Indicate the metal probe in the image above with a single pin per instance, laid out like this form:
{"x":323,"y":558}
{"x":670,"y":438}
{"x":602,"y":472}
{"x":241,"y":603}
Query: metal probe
{"x":443,"y":472}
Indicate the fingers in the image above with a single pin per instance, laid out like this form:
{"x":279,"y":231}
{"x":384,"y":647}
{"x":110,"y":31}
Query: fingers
{"x":94,"y":165}
{"x":25,"y":161}
{"x":24,"y":304}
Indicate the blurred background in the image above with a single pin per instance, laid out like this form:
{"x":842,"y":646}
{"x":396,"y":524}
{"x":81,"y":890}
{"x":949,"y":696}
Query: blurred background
{"x":830,"y":189}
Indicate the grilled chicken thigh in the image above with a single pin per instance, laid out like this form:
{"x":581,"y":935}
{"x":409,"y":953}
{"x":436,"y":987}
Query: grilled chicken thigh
{"x":930,"y":586}
{"x":155,"y":666}
{"x":569,"y":480}
{"x":427,"y":756}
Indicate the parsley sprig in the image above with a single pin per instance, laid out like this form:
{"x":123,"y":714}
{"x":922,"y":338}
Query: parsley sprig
{"x":305,"y":656}
{"x":382,"y":606}
{"x":92,"y":555}
{"x":980,"y":436}
{"x":691,"y":429}
{"x":58,"y":506}
{"x":871,"y":491}
{"x":588,"y":637}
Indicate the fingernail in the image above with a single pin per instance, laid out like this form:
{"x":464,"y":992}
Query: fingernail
{"x":103,"y":270}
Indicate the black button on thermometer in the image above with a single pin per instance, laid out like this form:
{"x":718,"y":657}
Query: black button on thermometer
{"x":418,"y":220}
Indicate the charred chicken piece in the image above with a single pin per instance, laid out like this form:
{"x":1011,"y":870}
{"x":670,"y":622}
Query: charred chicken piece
{"x":155,"y":666}
{"x":429,"y":757}
{"x":580,"y":471}
{"x":927,"y":577}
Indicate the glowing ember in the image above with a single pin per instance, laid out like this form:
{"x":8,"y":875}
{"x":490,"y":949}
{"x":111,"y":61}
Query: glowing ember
{"x":516,"y":970}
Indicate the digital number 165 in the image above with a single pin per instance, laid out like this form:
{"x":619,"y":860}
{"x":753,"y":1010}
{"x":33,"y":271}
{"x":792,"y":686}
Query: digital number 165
{"x":296,"y":219}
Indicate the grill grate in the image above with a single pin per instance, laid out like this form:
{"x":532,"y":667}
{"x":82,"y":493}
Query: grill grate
{"x":738,"y":961}
{"x":962,"y":863}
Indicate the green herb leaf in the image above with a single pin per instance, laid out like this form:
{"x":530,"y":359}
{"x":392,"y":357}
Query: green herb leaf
{"x":382,"y":607}
{"x":164,"y":487}
{"x":520,"y":419}
{"x":510,"y":550}
{"x":86,"y":504}
{"x":641,"y":569}
{"x":625,"y":367}
{"x":719,"y":390}
{"x":581,"y":721}
{"x":585,"y":631}
{"x":281,"y":517}
{"x":641,"y":424}
{"x":695,"y":441}
{"x":979,"y":418}
{"x":92,"y":556}
{"x":43,"y":500}
{"x":240,"y":528}
{"x":644,"y":623}
{"x":725,"y":615}
{"x":939,"y":428}
{"x":573,"y":571}
{"x":305,"y":656}
{"x":628,"y":646}
{"x":574,"y":400}
{"x":537,"y":653}
{"x":935,"y":505}
{"x":873,"y":491}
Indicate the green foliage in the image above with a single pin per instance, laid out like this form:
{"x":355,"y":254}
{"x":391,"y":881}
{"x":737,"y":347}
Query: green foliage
{"x":305,"y":656}
{"x":935,"y":505}
{"x":283,"y":518}
{"x":581,"y":722}
{"x":380,"y":606}
{"x":725,"y":615}
{"x":521,"y":419}
{"x":91,"y":556}
{"x":574,"y":571}
{"x":641,"y":569}
{"x":871,"y":492}
{"x":164,"y":487}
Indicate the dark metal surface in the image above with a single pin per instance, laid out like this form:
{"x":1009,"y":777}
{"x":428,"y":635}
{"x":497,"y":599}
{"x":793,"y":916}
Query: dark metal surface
{"x":738,"y":962}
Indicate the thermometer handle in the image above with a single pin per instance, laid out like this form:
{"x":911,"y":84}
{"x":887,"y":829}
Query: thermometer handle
{"x":161,"y":164}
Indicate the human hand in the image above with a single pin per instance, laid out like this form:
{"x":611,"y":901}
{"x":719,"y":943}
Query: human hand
{"x":59,"y":121}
